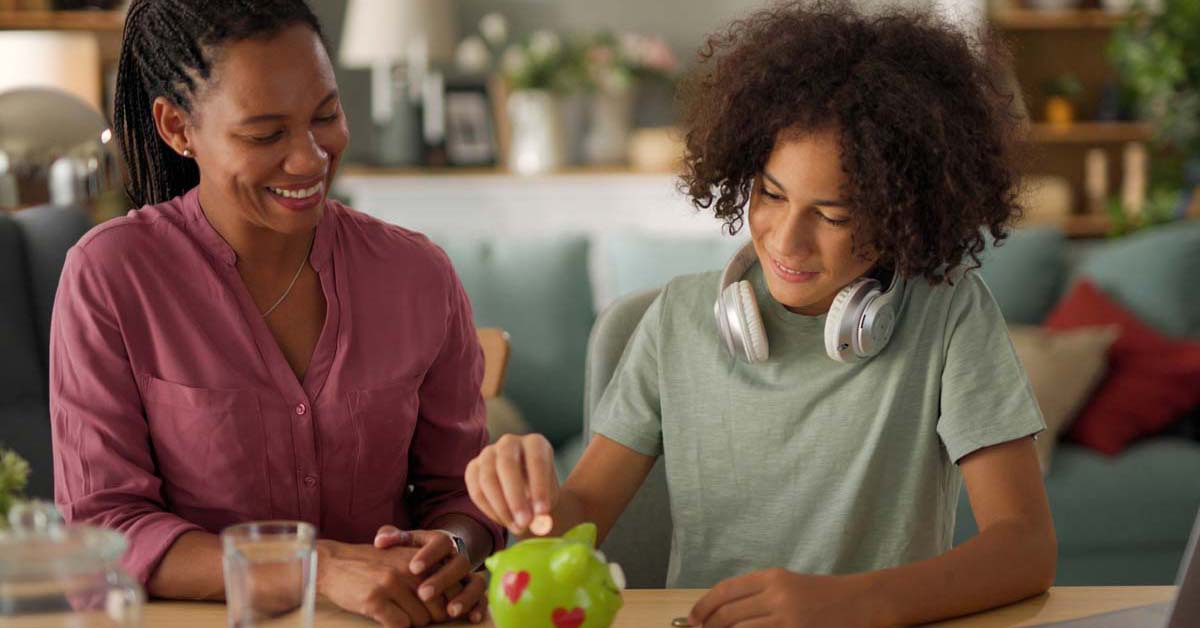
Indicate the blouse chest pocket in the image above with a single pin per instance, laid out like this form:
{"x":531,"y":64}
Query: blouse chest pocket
{"x":209,"y":444}
{"x":384,"y":421}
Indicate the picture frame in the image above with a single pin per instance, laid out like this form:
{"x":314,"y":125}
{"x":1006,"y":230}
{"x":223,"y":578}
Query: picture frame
{"x":470,"y":126}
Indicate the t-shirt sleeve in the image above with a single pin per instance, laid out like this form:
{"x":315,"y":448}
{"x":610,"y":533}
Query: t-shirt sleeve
{"x":629,"y":412}
{"x":986,"y":398}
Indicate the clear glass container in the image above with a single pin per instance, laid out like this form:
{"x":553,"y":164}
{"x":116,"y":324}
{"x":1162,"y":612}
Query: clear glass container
{"x":53,"y":575}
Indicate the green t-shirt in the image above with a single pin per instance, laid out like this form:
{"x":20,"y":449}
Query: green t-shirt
{"x":803,"y":462}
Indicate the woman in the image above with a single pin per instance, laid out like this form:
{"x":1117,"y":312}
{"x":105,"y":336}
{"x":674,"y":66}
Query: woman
{"x":805,"y":490}
{"x":242,"y":348}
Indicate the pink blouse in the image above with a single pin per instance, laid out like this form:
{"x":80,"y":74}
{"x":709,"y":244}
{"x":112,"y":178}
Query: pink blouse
{"x":174,"y":409}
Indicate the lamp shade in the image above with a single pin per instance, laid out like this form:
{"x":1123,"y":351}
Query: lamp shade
{"x":387,"y":31}
{"x":63,"y":60}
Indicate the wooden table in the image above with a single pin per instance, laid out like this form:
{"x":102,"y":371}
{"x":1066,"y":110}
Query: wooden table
{"x":649,"y":608}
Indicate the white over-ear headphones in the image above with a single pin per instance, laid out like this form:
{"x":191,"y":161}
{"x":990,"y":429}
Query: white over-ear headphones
{"x":859,"y":323}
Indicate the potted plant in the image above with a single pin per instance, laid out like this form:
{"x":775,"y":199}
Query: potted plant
{"x":1157,"y":55}
{"x":616,"y":65}
{"x":1062,"y":96}
{"x":14,"y":473}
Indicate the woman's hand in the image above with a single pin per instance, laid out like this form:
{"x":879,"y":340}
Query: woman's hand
{"x":514,"y":483}
{"x":777,"y":597}
{"x":376,"y":583}
{"x":442,"y":569}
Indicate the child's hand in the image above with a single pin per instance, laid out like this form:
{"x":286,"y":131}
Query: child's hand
{"x":514,"y":483}
{"x":777,"y":597}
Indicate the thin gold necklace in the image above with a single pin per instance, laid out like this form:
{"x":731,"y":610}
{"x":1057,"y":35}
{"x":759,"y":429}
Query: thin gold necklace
{"x":293,"y":284}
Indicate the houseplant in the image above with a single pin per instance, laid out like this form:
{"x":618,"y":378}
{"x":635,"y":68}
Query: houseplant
{"x":1157,"y":55}
{"x":14,"y":473}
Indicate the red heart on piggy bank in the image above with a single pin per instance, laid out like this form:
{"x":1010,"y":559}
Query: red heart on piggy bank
{"x":514,"y":584}
{"x":563,"y":618}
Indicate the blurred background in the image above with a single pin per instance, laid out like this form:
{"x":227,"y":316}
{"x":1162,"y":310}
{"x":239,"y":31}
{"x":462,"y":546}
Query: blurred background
{"x":535,"y":141}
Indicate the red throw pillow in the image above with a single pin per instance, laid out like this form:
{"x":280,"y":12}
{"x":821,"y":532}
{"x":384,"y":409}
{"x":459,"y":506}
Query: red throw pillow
{"x":1152,"y":379}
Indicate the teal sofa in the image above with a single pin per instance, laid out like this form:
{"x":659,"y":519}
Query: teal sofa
{"x":1121,"y":520}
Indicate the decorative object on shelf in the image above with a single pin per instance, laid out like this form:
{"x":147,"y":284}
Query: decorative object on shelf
{"x":1133,"y":178}
{"x":1095,"y":180}
{"x":539,"y":71}
{"x":1052,"y":5}
{"x":1135,"y":208}
{"x":477,"y":57}
{"x":616,"y":65}
{"x":656,"y":149}
{"x":470,"y":137}
{"x":1062,"y":94}
{"x":400,"y":41}
{"x":538,"y":142}
{"x":1046,"y":199}
{"x":55,"y":148}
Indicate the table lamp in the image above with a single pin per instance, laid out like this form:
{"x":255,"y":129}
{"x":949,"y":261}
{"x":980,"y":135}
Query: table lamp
{"x":397,"y":40}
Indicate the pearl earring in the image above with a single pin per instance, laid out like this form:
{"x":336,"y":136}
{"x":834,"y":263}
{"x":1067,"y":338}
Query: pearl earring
{"x":187,"y":152}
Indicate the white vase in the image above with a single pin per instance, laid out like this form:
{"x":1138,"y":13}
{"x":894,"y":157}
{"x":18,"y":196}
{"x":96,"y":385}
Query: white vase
{"x":607,"y":140}
{"x":538,"y":143}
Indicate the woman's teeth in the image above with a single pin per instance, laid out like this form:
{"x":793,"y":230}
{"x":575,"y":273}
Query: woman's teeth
{"x":305,"y":193}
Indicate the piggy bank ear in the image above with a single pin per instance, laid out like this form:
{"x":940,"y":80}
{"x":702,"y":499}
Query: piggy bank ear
{"x":569,"y":564}
{"x":583,"y":533}
{"x":490,"y":563}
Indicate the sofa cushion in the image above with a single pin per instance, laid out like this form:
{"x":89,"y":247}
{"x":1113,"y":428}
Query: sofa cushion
{"x":22,"y":370}
{"x":538,"y":291}
{"x":1153,"y":274}
{"x":631,"y":262}
{"x":1063,"y":368}
{"x":1026,"y":273}
{"x":1151,"y":380}
{"x":1122,"y":520}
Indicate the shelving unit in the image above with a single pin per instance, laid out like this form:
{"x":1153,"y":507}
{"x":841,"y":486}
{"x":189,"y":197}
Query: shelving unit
{"x":95,"y":21}
{"x":1047,"y":44}
{"x":105,"y":26}
{"x":1025,"y":19}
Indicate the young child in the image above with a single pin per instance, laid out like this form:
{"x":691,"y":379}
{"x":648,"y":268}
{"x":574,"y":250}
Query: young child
{"x":814,"y":449}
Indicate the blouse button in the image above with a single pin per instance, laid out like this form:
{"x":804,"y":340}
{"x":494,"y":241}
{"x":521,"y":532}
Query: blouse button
{"x":310,"y":481}
{"x":301,"y":409}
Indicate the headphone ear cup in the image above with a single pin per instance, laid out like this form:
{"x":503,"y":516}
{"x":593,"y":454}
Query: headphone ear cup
{"x":841,"y":324}
{"x":879,"y":320}
{"x":757,"y":349}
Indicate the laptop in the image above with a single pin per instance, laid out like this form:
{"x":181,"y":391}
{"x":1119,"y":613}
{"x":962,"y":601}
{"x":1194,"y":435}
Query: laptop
{"x":1181,"y":612}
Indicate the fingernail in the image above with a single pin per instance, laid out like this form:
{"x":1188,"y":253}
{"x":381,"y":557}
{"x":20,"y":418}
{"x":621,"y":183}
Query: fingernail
{"x":425,"y":593}
{"x":476,"y":617}
{"x":455,"y":609}
{"x":522,"y":519}
{"x":541,"y":507}
{"x":417,"y":566}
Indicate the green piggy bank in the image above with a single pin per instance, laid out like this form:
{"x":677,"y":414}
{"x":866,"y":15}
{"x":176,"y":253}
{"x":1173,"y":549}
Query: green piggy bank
{"x":555,"y":583}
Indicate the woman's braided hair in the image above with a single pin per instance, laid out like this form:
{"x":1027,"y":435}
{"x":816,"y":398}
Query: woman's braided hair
{"x":169,"y":49}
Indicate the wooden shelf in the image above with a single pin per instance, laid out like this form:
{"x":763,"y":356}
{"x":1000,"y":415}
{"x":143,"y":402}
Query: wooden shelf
{"x":367,"y":170}
{"x":1072,"y":19}
{"x":100,"y":21}
{"x":1090,"y":133}
{"x":1087,"y":226}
